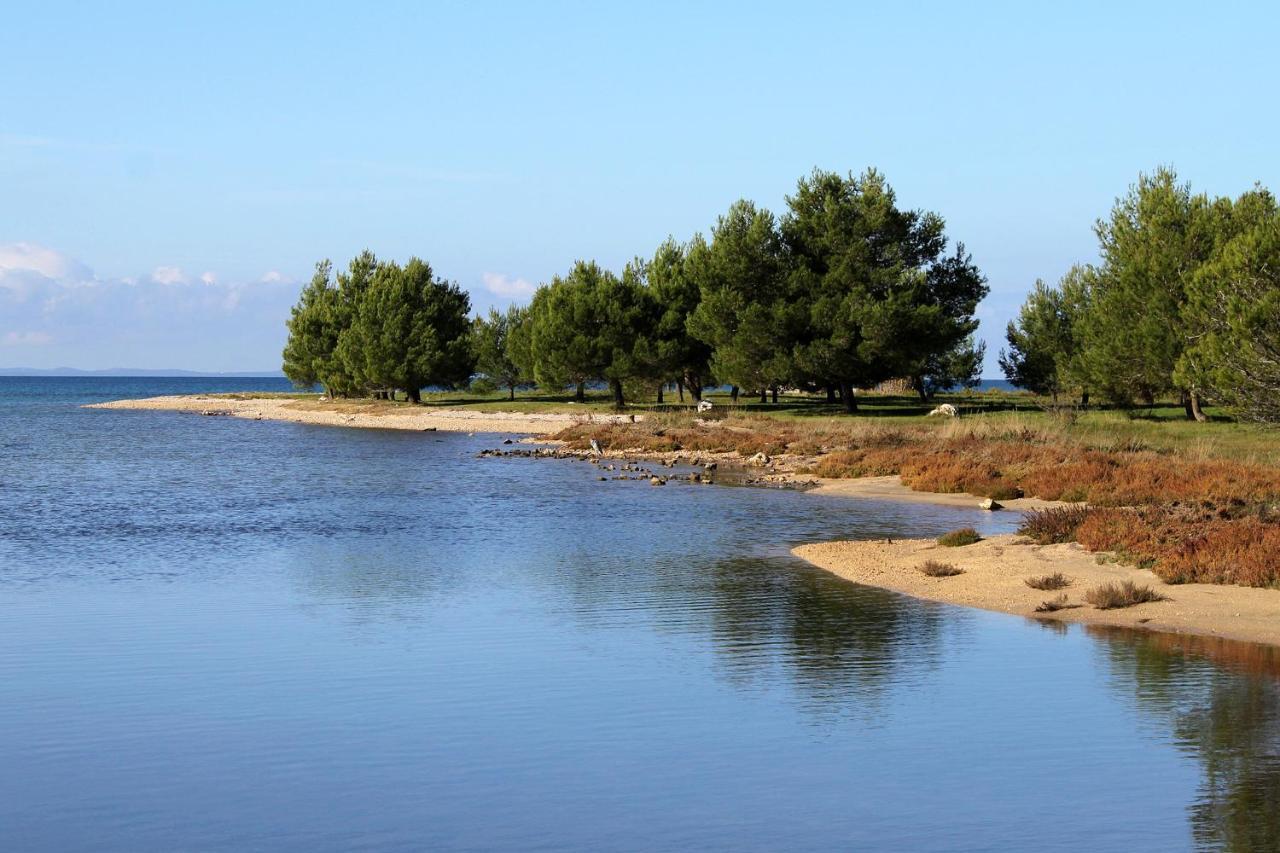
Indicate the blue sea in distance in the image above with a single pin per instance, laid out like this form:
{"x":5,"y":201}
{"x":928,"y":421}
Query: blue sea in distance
{"x":224,"y":634}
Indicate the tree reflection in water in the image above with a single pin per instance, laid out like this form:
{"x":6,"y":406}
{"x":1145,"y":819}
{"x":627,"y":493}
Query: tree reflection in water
{"x":842,"y":646}
{"x":1221,"y":702}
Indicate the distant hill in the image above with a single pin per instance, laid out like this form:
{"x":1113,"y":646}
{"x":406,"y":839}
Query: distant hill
{"x":135,"y":371}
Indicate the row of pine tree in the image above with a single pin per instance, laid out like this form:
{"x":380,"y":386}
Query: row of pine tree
{"x":843,"y":291}
{"x":1185,"y":302}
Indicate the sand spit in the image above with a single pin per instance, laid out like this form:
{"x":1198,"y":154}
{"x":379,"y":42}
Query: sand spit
{"x":994,"y":577}
{"x":362,"y":414}
{"x":891,"y":489}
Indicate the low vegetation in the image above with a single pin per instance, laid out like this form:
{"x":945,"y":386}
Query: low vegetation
{"x":1057,"y":580}
{"x":1191,"y":510}
{"x":937,"y":569}
{"x":1112,"y":596}
{"x":1054,"y":525}
{"x":1053,"y":605}
{"x":960,"y":537}
{"x":1181,"y":544}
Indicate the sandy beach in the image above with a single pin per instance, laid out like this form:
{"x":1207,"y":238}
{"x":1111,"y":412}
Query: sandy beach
{"x":994,"y":577}
{"x":361,"y":414}
{"x":891,"y":489}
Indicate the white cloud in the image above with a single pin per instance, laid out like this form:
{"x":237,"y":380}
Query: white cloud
{"x":275,"y":277}
{"x":169,"y":275}
{"x":29,"y":257}
{"x":165,"y":319}
{"x":503,"y":285}
{"x":26,"y":339}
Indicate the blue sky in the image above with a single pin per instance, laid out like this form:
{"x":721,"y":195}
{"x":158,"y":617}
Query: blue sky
{"x":168,"y":174}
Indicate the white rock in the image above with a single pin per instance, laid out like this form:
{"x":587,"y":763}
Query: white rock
{"x":946,"y":410}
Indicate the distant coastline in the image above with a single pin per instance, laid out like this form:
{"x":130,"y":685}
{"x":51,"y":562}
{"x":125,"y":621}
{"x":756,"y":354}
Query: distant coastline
{"x":139,"y":372}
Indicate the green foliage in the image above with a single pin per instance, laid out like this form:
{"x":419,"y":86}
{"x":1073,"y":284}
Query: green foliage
{"x":1156,"y":238}
{"x":743,"y":310}
{"x":496,"y":358}
{"x":877,"y":295}
{"x":958,"y":367}
{"x":313,"y":331}
{"x":1040,"y":343}
{"x":380,"y":326}
{"x":1185,"y":300}
{"x":846,"y":291}
{"x":348,"y":374}
{"x":674,"y":290}
{"x":1234,"y":307}
{"x":411,"y":329}
{"x":591,"y":325}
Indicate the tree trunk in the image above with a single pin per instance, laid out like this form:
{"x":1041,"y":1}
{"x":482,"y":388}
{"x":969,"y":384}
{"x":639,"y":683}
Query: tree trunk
{"x":1148,"y":397}
{"x":580,"y":395}
{"x":831,"y":393}
{"x":921,"y":389}
{"x":1084,"y":398}
{"x":733,"y":394}
{"x":414,"y":395}
{"x":1184,"y":397}
{"x":846,"y":393}
{"x":512,"y":395}
{"x":618,"y":402}
{"x":774,"y":392}
{"x":695,"y":389}
{"x":1196,"y":411}
{"x":680,"y":389}
{"x":660,"y":387}
{"x":764,"y":395}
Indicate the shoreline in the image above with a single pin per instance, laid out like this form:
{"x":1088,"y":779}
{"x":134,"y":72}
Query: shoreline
{"x":361,"y":414}
{"x":995,"y":570}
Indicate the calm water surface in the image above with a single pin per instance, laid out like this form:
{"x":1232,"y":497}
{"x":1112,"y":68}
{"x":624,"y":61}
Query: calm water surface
{"x":220,"y":634}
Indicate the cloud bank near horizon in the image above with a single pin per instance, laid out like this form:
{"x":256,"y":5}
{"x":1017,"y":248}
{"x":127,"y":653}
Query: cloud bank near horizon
{"x":55,"y":312}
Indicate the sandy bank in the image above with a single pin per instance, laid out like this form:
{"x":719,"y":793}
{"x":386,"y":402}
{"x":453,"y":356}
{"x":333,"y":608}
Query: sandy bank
{"x":891,"y":489}
{"x":996,"y":568}
{"x":361,"y":414}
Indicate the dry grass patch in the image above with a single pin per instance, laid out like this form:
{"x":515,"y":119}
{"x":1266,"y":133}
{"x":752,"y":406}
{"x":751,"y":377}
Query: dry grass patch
{"x":1112,"y":596}
{"x":958,"y":538}
{"x":1190,"y":545}
{"x":1053,"y":605}
{"x":937,"y":569}
{"x":1057,"y":580}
